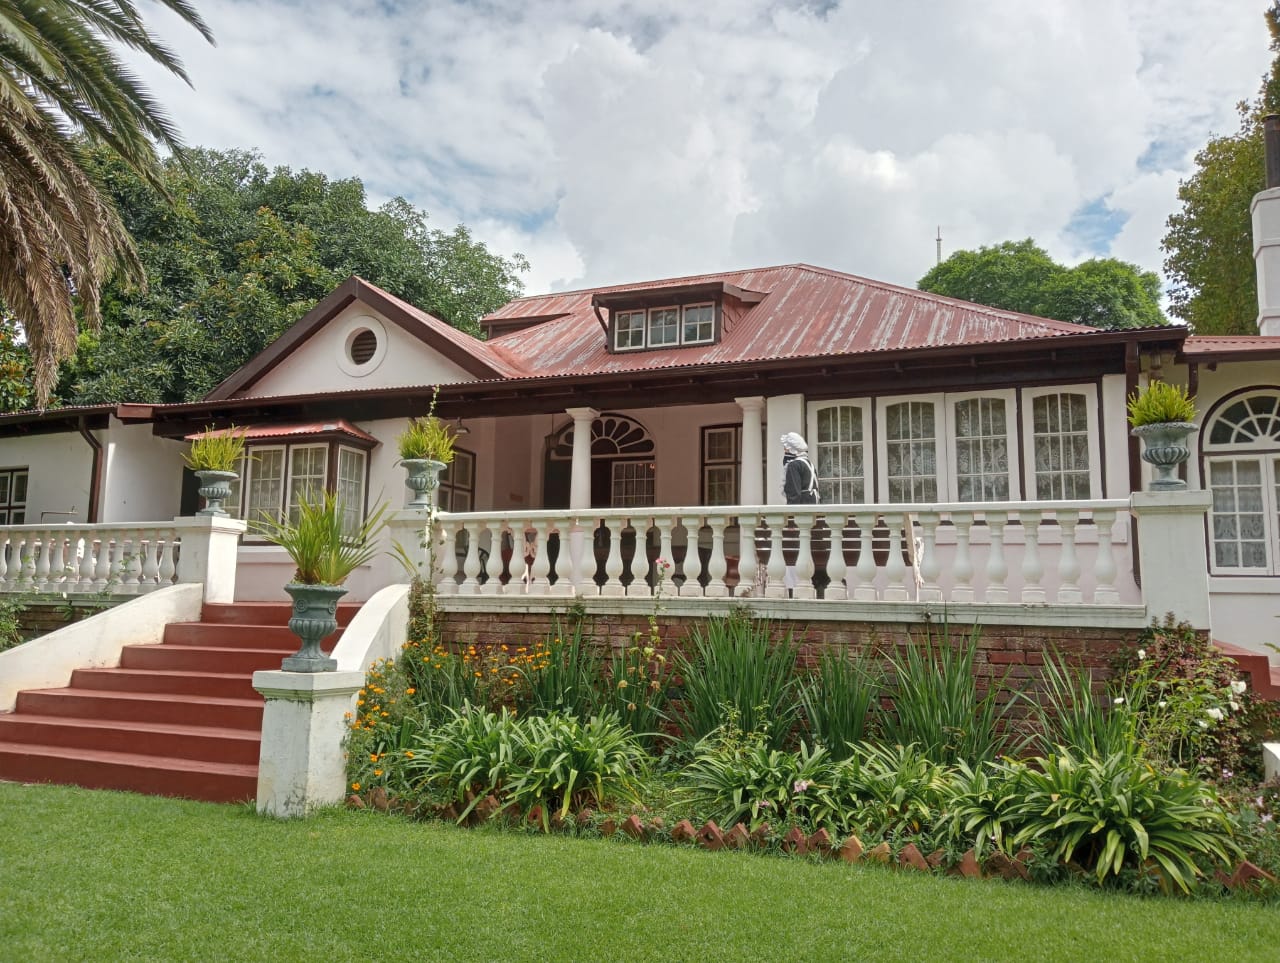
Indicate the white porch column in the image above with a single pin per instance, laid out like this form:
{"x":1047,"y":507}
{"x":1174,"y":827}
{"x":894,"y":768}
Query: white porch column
{"x":1266,"y":257}
{"x":580,"y":474}
{"x":784,"y":413}
{"x":751,"y":484}
{"x":1172,"y":554}
{"x":302,"y":764}
{"x":208,"y":554}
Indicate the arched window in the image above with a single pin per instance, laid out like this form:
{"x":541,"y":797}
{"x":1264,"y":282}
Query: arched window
{"x":1242,"y":470}
{"x":622,"y":472}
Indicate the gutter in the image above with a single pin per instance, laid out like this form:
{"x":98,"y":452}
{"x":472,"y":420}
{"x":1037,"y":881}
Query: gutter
{"x":95,"y":482}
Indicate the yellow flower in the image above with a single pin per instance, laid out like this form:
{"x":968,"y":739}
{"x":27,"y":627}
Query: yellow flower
{"x":622,"y":683}
{"x":409,"y":753}
{"x":355,"y":786}
{"x":373,"y":757}
{"x":410,"y":691}
{"x":631,"y":707}
{"x":359,"y":702}
{"x":377,"y":772}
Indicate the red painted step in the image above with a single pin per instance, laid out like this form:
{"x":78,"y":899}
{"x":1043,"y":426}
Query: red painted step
{"x":1262,"y":676}
{"x":178,"y":719}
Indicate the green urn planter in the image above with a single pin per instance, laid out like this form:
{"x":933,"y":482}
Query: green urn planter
{"x":423,"y":479}
{"x":1165,"y":448}
{"x":315,"y":616}
{"x":215,"y":488}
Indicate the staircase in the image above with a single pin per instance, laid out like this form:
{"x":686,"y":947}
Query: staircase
{"x":1262,"y":676}
{"x":177,"y":719}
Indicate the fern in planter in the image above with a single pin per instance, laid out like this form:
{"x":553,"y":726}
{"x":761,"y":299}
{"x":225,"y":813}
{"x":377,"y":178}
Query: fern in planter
{"x":1161,"y":403}
{"x":324,"y":553}
{"x":216,"y":450}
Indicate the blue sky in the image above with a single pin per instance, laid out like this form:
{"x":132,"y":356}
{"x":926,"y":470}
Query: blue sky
{"x":628,"y":141}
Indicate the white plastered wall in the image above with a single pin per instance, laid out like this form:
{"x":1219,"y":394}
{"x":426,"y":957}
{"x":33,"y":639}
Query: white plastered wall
{"x":60,"y":467}
{"x":323,"y":362}
{"x":142,"y":479}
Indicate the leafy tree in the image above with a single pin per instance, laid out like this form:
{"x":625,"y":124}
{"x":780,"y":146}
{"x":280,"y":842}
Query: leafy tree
{"x":1021,"y":276}
{"x":15,"y":368}
{"x":241,"y":253}
{"x":1209,"y":244}
{"x":62,"y":81}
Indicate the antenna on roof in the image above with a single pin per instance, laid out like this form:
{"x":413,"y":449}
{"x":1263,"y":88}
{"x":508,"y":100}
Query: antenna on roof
{"x":939,"y":243}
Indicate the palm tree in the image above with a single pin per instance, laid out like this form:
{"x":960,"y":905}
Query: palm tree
{"x":63,"y":85}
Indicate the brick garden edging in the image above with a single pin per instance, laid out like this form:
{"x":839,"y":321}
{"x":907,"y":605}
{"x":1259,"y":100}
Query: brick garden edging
{"x":709,"y":836}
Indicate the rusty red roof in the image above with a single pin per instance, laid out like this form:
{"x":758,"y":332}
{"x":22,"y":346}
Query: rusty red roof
{"x":339,"y":426}
{"x":806,"y":312}
{"x":1198,"y":347}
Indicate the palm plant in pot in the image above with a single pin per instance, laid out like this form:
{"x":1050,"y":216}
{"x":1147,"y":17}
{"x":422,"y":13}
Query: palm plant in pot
{"x":1163,"y":416}
{"x":325,"y":552}
{"x":213,"y":457}
{"x":426,"y":449}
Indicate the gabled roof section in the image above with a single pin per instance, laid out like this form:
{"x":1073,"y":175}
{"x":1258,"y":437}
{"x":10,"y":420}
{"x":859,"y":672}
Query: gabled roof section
{"x":477,"y":357}
{"x":792,"y":311}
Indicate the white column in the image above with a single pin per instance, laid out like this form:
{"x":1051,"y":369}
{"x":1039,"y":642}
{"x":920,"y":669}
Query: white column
{"x":302,"y":764}
{"x":580,"y":475}
{"x":751,"y":482}
{"x":1173,"y":558}
{"x":1266,"y":258}
{"x":784,"y":413}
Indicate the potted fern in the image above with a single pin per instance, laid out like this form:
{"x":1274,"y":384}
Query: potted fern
{"x":213,"y":456}
{"x":426,"y":448}
{"x":1163,"y":416}
{"x":325,"y":554}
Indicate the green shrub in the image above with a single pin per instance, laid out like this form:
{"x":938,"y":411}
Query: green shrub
{"x":10,"y":624}
{"x":319,"y":542}
{"x":1069,"y":714}
{"x":569,"y":679}
{"x":427,"y":437}
{"x":899,"y":789}
{"x":467,"y":758}
{"x":1160,"y":402}
{"x":1118,"y":814}
{"x":936,"y":705}
{"x":734,"y":670}
{"x":839,"y":696}
{"x":216,"y":450}
{"x":981,"y":804}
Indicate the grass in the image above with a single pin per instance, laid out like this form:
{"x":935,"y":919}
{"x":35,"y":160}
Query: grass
{"x":110,"y":876}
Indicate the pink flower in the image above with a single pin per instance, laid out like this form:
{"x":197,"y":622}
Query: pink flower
{"x":800,"y":785}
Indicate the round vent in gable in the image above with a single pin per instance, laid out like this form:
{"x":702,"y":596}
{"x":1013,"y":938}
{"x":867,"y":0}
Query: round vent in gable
{"x":362,"y":346}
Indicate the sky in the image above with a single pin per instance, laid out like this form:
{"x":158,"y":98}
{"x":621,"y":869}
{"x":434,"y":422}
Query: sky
{"x":620,"y":142}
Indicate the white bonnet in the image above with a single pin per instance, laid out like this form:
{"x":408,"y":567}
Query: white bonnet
{"x":794,"y":443}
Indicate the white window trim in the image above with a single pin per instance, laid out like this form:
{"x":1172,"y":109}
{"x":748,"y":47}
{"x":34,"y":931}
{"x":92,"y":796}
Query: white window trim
{"x":869,"y":455}
{"x":644,"y":331}
{"x":710,"y":338}
{"x":1269,"y":514}
{"x":1094,"y":428}
{"x":648,"y":326}
{"x":940,"y":446}
{"x":613,"y":482}
{"x":1008,"y":396}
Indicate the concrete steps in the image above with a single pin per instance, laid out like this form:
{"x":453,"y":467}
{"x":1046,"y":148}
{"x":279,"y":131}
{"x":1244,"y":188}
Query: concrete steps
{"x":176,"y":719}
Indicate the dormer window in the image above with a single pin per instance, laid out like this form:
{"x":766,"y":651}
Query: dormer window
{"x":668,"y":326}
{"x":672,"y":316}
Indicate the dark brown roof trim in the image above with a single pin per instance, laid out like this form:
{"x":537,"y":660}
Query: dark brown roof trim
{"x":352,"y":289}
{"x":16,"y":424}
{"x":650,"y":296}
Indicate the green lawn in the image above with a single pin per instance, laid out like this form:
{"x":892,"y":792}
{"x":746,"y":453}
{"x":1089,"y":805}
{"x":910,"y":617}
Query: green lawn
{"x":109,"y":876}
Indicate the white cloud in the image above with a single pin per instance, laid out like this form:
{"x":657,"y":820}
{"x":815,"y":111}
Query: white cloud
{"x":671,"y":138}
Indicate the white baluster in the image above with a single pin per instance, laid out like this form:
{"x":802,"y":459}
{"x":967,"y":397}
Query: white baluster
{"x":716,"y":565}
{"x":102,"y":569}
{"x":88,"y":562}
{"x":895,"y":569}
{"x":1068,"y":564}
{"x":538,"y":584}
{"x":837,"y":570}
{"x":865,"y":590}
{"x":613,"y":567}
{"x":471,"y":564}
{"x":4,"y":561}
{"x":930,"y":567}
{"x":168,"y":557}
{"x":132,"y":568}
{"x":28,"y":553}
{"x":582,"y":573}
{"x":1104,"y":566}
{"x":640,"y":559}
{"x":777,"y":568}
{"x":42,"y":561}
{"x":666,"y":552}
{"x":691,"y":565}
{"x":748,"y":560}
{"x":446,"y":556}
{"x":492,"y":567}
{"x":804,"y":558}
{"x":516,"y":585}
{"x":1032,"y":567}
{"x":57,"y":563}
{"x":997,"y":566}
{"x":150,"y":563}
{"x":962,"y":591}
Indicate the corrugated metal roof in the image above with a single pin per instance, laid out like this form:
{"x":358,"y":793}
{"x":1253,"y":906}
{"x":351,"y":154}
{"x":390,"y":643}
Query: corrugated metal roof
{"x":1231,"y":344}
{"x":310,"y":429}
{"x":807,"y":312}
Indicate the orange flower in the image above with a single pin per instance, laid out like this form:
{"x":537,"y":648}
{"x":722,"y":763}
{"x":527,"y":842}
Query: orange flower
{"x":355,"y":786}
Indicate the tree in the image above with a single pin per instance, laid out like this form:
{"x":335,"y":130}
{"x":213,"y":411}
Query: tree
{"x":1209,"y":244}
{"x":1021,"y":276}
{"x":62,"y":83}
{"x":241,"y":252}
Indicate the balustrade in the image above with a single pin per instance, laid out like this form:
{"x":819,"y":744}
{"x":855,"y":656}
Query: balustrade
{"x":86,"y":559}
{"x":989,"y":553}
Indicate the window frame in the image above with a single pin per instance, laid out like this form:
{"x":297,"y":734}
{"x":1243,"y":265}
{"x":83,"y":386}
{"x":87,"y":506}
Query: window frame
{"x":1014,"y":480}
{"x":246,"y":471}
{"x":1093,"y":430}
{"x":449,"y":489}
{"x":641,"y":338}
{"x":882,"y":444}
{"x":732,"y":465}
{"x":1263,"y":449}
{"x":645,"y":463}
{"x":869,"y":456}
{"x":9,"y":505}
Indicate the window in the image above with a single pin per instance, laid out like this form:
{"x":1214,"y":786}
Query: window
{"x":274,"y":479}
{"x":720,"y":464}
{"x":458,"y":483}
{"x":838,"y":443}
{"x":1242,"y":466}
{"x":911,"y":451}
{"x":1060,"y":446}
{"x":664,"y":327}
{"x":632,"y":484}
{"x":350,"y":488}
{"x":308,"y":467}
{"x":981,"y":434}
{"x":13,"y":496}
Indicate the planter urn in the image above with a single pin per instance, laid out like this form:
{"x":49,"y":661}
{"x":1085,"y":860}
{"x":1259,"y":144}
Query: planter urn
{"x":423,"y":479}
{"x":1164,"y":447}
{"x":315,"y":616}
{"x":215,"y":488}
